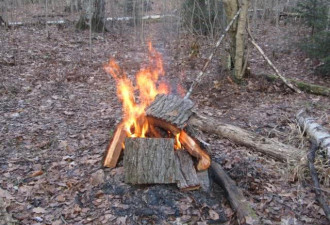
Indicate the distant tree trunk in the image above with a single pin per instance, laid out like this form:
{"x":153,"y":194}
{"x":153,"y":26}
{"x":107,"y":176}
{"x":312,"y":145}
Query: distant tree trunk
{"x":238,"y":36}
{"x":92,"y":15}
{"x":73,"y":5}
{"x":241,"y":38}
{"x":231,"y":8}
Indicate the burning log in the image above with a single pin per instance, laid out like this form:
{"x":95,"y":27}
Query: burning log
{"x":171,"y":113}
{"x":149,"y":161}
{"x":115,"y":147}
{"x":204,"y":160}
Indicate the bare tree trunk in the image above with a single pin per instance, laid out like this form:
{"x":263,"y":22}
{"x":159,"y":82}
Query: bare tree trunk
{"x":47,"y":32}
{"x":73,"y":5}
{"x":231,"y":7}
{"x":240,"y":52}
{"x":92,"y":15}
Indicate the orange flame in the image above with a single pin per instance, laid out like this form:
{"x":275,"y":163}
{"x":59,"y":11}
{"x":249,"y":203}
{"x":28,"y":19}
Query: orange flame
{"x":146,"y":81}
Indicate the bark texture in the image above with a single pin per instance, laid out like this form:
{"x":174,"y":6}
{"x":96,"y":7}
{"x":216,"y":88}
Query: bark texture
{"x":240,"y":52}
{"x":172,"y":109}
{"x":186,"y":175}
{"x":93,"y":15}
{"x":317,"y":133}
{"x":149,"y":161}
{"x":231,"y":7}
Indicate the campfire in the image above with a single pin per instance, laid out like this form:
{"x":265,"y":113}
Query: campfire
{"x":153,"y":132}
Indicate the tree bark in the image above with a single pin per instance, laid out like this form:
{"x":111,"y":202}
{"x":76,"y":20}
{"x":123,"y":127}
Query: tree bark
{"x":231,"y":7}
{"x":171,"y":108}
{"x":149,"y":161}
{"x":73,"y":5}
{"x":186,"y":176}
{"x":245,"y":213}
{"x":267,"y":146}
{"x":92,"y":15}
{"x":240,"y":52}
{"x":315,"y":131}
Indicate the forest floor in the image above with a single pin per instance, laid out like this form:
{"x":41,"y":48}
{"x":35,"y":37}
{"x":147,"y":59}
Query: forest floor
{"x":59,"y":109}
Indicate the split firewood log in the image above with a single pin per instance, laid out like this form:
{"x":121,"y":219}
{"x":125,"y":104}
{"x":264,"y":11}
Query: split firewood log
{"x":115,"y":147}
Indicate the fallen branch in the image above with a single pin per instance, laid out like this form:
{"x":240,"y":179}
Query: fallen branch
{"x":147,"y":17}
{"x":251,"y":39}
{"x":318,"y":194}
{"x":309,"y":88}
{"x":267,"y":146}
{"x":314,"y":130}
{"x":201,"y":74}
{"x":245,"y":213}
{"x":18,"y":24}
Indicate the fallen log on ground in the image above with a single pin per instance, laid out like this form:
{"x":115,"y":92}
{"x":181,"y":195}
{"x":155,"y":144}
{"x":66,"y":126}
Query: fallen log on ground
{"x":267,"y":146}
{"x":303,"y":86}
{"x":317,"y":133}
{"x":317,"y":188}
{"x":245,"y":213}
{"x":18,"y":24}
{"x":147,"y":17}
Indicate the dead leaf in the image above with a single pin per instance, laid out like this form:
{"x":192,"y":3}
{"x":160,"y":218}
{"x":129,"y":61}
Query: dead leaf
{"x":5,"y":194}
{"x":121,"y":220}
{"x":39,"y":210}
{"x":213,"y":214}
{"x":37,"y":173}
{"x":60,"y":198}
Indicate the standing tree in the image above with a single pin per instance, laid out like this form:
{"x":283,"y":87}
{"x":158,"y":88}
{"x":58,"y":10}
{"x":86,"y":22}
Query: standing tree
{"x":238,"y":36}
{"x":73,"y":5}
{"x":314,"y":13}
{"x":92,"y":16}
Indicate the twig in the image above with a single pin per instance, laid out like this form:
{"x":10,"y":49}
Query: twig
{"x":319,"y":196}
{"x":63,"y":220}
{"x":251,"y":39}
{"x":200,"y":75}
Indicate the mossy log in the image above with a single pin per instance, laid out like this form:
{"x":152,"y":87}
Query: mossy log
{"x":303,"y":86}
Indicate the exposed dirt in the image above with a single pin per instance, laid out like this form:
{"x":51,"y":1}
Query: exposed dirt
{"x":59,"y":109}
